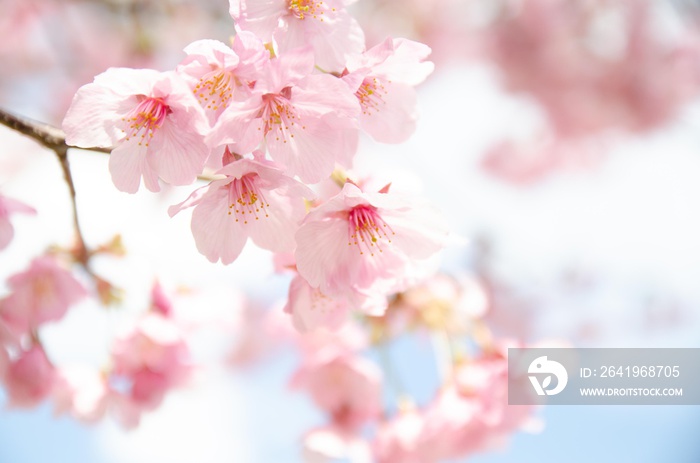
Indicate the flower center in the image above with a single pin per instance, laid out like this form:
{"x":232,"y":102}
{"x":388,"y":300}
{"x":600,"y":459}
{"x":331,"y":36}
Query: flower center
{"x":278,"y":115}
{"x":367,"y":230}
{"x":301,"y":9}
{"x":371,"y":95}
{"x":245,"y":197}
{"x":147,"y":117}
{"x":215,"y":89}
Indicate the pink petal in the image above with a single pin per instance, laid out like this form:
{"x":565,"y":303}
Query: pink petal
{"x":407,"y":63}
{"x":216,"y":233}
{"x":275,"y":231}
{"x":322,"y":253}
{"x":239,"y":126}
{"x":257,"y":16}
{"x":311,"y":309}
{"x":90,"y":119}
{"x":307,"y":149}
{"x":394,"y":119}
{"x":127,"y":164}
{"x":6,"y":232}
{"x":177,"y":154}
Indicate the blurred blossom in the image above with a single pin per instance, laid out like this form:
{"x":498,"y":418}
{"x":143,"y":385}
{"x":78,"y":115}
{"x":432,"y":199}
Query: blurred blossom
{"x":82,"y":392}
{"x":346,"y":387}
{"x":311,"y":309}
{"x":29,"y":378}
{"x":8,"y":207}
{"x":470,"y":414}
{"x":147,"y":362}
{"x":42,"y":293}
{"x":399,"y":439}
{"x":525,"y":162}
{"x":565,"y":54}
{"x":327,"y":444}
{"x":442,"y":303}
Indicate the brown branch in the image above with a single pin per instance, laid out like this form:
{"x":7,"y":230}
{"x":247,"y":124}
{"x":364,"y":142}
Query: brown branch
{"x":54,"y":139}
{"x":47,"y":135}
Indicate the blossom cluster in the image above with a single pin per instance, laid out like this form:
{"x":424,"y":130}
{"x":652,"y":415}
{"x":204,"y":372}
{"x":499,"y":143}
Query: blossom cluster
{"x":279,"y":109}
{"x":146,"y":360}
{"x":595,"y":68}
{"x":467,"y":414}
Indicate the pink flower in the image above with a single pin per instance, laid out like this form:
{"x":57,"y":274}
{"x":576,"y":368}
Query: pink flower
{"x":41,"y":294}
{"x":256,"y":200}
{"x":311,"y":309}
{"x":471,"y":413}
{"x":29,"y":378}
{"x":308,"y":122}
{"x":325,"y":25}
{"x":400,"y":440}
{"x":358,"y":245}
{"x":441,"y":303}
{"x":150,"y":359}
{"x":220,"y":74}
{"x":382,"y":79}
{"x":526,"y":162}
{"x":9,"y":206}
{"x":82,"y":392}
{"x":347,"y":387}
{"x":153,"y":120}
{"x":591,"y":79}
{"x":259,"y":334}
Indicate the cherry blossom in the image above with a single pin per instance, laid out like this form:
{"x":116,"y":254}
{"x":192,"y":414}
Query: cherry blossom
{"x":29,"y":378}
{"x":324,"y":24}
{"x":357,"y":244}
{"x":82,"y":392}
{"x":9,"y":206}
{"x":347,"y":387}
{"x":41,"y":294}
{"x":590,"y":79}
{"x":220,"y":74}
{"x":147,"y":361}
{"x":310,"y":308}
{"x":382,"y":79}
{"x":400,"y":439}
{"x":256,"y":200}
{"x":153,"y":120}
{"x":527,"y":161}
{"x":308,"y":122}
{"x":441,"y":303}
{"x":471,"y":413}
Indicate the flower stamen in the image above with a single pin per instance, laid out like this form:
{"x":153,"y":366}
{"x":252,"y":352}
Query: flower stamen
{"x":367,"y":230}
{"x":244,"y":196}
{"x":215,"y":89}
{"x":371,"y":95}
{"x":147,"y":117}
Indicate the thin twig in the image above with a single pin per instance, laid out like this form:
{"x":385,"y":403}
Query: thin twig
{"x":54,"y":139}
